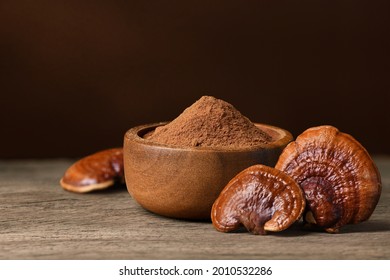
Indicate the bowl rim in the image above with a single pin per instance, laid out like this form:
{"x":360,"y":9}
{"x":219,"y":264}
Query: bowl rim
{"x":133,"y":134}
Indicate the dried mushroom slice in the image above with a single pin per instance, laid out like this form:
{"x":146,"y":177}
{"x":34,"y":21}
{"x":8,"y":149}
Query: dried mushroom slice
{"x":341,"y":183}
{"x":261,"y":199}
{"x":94,"y":172}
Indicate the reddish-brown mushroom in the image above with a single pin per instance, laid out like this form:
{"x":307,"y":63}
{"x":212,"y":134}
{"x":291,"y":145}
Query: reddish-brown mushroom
{"x":261,"y":199}
{"x":94,"y":172}
{"x":341,"y":183}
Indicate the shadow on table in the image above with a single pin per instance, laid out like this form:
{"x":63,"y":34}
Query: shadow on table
{"x":293,"y":231}
{"x":368,"y":226}
{"x":116,"y":188}
{"x":298,"y":229}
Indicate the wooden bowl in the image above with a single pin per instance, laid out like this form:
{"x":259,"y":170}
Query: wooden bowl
{"x":184,"y":182}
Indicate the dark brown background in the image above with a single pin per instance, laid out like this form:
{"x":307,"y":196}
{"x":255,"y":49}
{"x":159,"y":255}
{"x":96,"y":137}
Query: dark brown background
{"x":75,"y":75}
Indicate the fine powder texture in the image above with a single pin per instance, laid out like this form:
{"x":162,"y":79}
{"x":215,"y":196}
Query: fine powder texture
{"x":210,"y":122}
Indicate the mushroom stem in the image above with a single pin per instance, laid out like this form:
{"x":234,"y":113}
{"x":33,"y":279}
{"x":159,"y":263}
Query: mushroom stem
{"x":254,"y":222}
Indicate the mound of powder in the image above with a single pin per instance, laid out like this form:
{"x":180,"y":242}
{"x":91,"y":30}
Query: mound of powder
{"x":210,"y":122}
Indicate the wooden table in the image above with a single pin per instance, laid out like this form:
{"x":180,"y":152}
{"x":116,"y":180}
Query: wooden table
{"x":39,"y":220}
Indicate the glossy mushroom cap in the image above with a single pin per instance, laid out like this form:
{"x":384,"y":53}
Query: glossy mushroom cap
{"x":261,"y":198}
{"x":94,"y":172}
{"x":341,"y":183}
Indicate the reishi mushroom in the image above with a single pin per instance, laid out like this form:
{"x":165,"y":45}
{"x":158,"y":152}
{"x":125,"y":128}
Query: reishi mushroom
{"x":261,"y":199}
{"x":341,"y":183}
{"x":94,"y":172}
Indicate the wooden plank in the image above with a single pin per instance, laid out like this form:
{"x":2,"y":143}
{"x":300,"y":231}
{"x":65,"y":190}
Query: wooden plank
{"x":39,"y":220}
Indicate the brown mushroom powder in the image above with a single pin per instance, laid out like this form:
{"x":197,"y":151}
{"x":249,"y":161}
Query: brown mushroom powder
{"x":210,"y":122}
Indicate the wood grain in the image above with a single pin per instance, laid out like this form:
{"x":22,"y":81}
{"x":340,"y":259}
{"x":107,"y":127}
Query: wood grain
{"x":39,"y":220}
